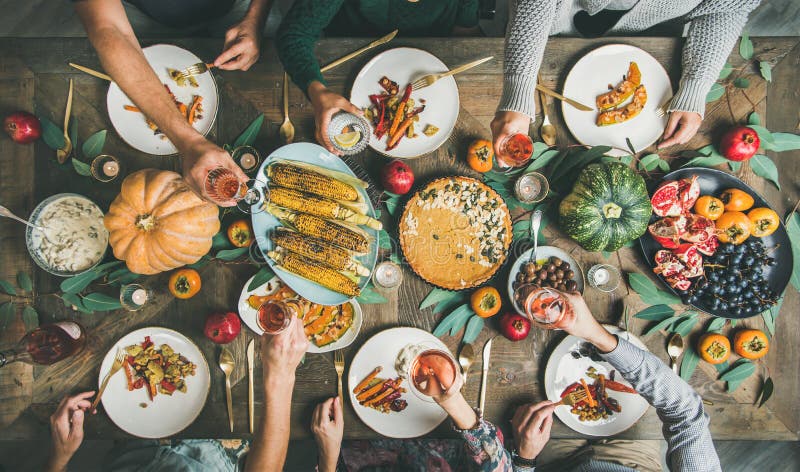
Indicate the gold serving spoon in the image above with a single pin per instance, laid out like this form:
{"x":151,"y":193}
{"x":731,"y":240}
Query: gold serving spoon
{"x":63,"y":153}
{"x":226,"y":363}
{"x":287,"y":128}
{"x":465,"y":359}
{"x":547,"y":131}
{"x":675,"y":349}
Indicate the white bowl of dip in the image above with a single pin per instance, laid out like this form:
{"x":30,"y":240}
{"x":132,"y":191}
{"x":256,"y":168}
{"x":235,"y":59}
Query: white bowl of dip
{"x":76,"y":238}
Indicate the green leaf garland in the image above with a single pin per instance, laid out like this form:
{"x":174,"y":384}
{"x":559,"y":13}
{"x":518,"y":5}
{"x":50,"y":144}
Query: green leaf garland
{"x":746,"y":47}
{"x":689,"y":364}
{"x":101,"y":302}
{"x":24,"y":281}
{"x":263,"y":276}
{"x":474,"y":328}
{"x":648,"y":292}
{"x":764,"y":167}
{"x":716,"y":92}
{"x":248,"y":136}
{"x":52,"y":135}
{"x":93,"y":145}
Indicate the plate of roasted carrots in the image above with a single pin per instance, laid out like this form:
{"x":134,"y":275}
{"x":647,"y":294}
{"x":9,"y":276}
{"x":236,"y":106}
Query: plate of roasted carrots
{"x":379,"y":390}
{"x":196,"y":99}
{"x":406,"y":123}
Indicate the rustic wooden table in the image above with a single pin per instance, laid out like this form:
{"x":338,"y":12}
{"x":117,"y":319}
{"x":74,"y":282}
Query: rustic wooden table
{"x":34,"y":76}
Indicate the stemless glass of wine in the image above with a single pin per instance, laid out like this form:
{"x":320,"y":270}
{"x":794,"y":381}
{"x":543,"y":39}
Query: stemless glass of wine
{"x":515,"y":151}
{"x":433,"y":372}
{"x":275,"y":316}
{"x":546,"y":307}
{"x":222,"y":187}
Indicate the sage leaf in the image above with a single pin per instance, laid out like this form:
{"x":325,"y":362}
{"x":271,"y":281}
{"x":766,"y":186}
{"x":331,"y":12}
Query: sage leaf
{"x":52,"y":135}
{"x":263,"y":276}
{"x":716,"y":325}
{"x":447,"y":322}
{"x":100,"y":302}
{"x":746,"y":47}
{"x":785,"y":142}
{"x":24,"y":281}
{"x":655,"y":313}
{"x":474,"y":328}
{"x":30,"y":317}
{"x":93,"y":145}
{"x":766,"y":70}
{"x":7,"y":287}
{"x":369,"y":296}
{"x":248,"y":136}
{"x":764,"y":167}
{"x":648,"y":292}
{"x":766,"y":392}
{"x":435,"y":296}
{"x":726,"y":71}
{"x":716,"y":92}
{"x":689,"y":364}
{"x":231,"y":254}
{"x":81,"y":167}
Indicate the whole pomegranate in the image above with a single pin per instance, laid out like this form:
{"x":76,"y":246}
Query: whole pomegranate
{"x":23,"y":127}
{"x":222,"y":328}
{"x":397,"y":177}
{"x":740,"y":143}
{"x":514,"y":326}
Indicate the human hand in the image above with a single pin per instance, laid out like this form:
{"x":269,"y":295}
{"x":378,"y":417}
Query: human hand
{"x":241,"y":48}
{"x":506,"y":123}
{"x":531,"y":426}
{"x":281,"y":353}
{"x":585,"y":326}
{"x":327,"y":424}
{"x":681,"y":127}
{"x":66,"y":429}
{"x":434,"y":388}
{"x":326,"y":104}
{"x":200,"y":158}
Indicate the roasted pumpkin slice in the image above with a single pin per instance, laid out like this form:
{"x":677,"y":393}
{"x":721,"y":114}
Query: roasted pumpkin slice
{"x":336,"y":330}
{"x":313,"y":312}
{"x":621,"y":92}
{"x":255,"y":301}
{"x":318,"y":325}
{"x":621,"y":115}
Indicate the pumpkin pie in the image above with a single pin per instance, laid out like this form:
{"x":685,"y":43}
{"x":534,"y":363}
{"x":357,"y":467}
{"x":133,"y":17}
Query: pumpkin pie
{"x":455,"y":232}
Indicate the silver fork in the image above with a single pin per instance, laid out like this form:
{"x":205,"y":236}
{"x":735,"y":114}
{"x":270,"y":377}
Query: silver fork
{"x":662,"y":109}
{"x":115,"y":367}
{"x":194,"y":69}
{"x":338,"y":364}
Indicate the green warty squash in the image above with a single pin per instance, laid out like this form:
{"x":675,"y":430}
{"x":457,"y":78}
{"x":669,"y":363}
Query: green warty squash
{"x":608,"y":207}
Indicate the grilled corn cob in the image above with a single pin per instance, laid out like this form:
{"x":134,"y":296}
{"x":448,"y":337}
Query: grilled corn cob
{"x":318,"y":206}
{"x":315,"y":272}
{"x":307,"y":180}
{"x":306,"y":246}
{"x":352,"y":239}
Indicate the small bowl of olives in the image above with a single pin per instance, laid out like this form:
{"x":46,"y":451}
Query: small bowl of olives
{"x":552,"y":268}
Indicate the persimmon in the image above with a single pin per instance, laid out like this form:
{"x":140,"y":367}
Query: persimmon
{"x":736,"y":200}
{"x":710,"y":207}
{"x":184,"y":283}
{"x":485,"y":302}
{"x":751,"y":344}
{"x":733,"y":227}
{"x":480,"y":154}
{"x":764,"y":221}
{"x":240,"y":234}
{"x":714,"y":348}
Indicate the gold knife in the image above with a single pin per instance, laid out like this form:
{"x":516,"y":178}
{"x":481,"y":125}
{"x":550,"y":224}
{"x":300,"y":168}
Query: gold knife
{"x":92,"y":72}
{"x":487,"y":354}
{"x":369,"y":46}
{"x":580,"y":106}
{"x":251,"y":353}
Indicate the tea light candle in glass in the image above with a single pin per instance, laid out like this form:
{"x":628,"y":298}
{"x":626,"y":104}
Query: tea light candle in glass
{"x":105,"y":168}
{"x":134,"y":297}
{"x":531,"y":187}
{"x":247,"y":157}
{"x":388,"y":274}
{"x":603,"y":277}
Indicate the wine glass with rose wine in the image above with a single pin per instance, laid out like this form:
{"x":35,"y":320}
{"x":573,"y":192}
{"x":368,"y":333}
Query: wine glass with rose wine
{"x":275,"y":316}
{"x":223,"y":187}
{"x":433,"y":372}
{"x":546,"y":307}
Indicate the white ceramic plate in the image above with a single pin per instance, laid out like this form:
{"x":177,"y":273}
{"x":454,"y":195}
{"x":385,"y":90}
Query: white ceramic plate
{"x":544,"y":252}
{"x":250,"y":316}
{"x":264,"y":223}
{"x":562,"y":370}
{"x":132,"y":127}
{"x":404,"y":65}
{"x":420,"y":417}
{"x":165,"y":415}
{"x":590,"y":77}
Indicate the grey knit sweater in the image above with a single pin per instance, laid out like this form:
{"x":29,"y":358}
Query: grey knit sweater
{"x":714,"y":26}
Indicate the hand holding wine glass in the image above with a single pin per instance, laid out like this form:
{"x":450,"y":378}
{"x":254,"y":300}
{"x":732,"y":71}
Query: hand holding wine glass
{"x":200,"y":159}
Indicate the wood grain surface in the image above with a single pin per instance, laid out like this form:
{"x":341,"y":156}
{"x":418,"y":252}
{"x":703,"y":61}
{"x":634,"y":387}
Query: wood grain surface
{"x":516,"y":371}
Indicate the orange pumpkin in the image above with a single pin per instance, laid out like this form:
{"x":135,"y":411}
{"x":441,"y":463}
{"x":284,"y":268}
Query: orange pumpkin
{"x":751,"y":343}
{"x":157,"y":223}
{"x":714,"y":348}
{"x":480,"y":154}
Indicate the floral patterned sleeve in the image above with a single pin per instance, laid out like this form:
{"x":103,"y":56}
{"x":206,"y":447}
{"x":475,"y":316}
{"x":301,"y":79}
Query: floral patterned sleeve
{"x":485,"y":447}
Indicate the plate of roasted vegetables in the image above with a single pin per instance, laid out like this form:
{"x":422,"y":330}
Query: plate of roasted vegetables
{"x":609,"y":405}
{"x":406,"y":123}
{"x":378,"y":385}
{"x":328,"y":328}
{"x":319,"y":231}
{"x":625,"y":86}
{"x":196,"y":98}
{"x":162,"y":386}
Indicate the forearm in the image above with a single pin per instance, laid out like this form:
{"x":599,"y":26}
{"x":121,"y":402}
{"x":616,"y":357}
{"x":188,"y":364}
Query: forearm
{"x":258,"y":11}
{"x":56,"y":464}
{"x":268,"y":451}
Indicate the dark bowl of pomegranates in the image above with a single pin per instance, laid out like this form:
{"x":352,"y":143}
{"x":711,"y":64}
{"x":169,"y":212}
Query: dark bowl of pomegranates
{"x":717,"y":244}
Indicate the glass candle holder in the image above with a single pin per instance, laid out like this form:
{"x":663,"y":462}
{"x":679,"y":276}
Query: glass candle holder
{"x":246,"y":157}
{"x":603,"y":277}
{"x":105,"y":168}
{"x":349,"y":133}
{"x":531,"y":188}
{"x":388,"y":274}
{"x":134,"y":297}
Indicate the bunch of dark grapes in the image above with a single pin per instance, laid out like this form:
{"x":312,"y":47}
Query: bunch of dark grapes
{"x":734,"y":280}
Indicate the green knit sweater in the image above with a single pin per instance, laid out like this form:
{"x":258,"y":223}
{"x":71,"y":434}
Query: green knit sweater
{"x":307,"y":19}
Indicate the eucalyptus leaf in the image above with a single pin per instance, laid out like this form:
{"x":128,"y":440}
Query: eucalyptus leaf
{"x":93,"y":145}
{"x":449,"y":304}
{"x":766,"y":392}
{"x":464,"y":314}
{"x":6,"y":313}
{"x":606,"y":254}
{"x":248,"y":136}
{"x":709,"y":161}
{"x":689,"y":364}
{"x":649,"y":162}
{"x":72,"y":300}
{"x":685,"y":327}
{"x":52,"y":135}
{"x":79,"y":282}
{"x":370,"y":296}
{"x":741,"y":82}
{"x":716,"y":325}
{"x":663,"y":324}
{"x":793,"y":230}
{"x":101,"y":302}
{"x":648,"y":292}
{"x":73,"y":134}
{"x":200,"y":263}
{"x":263,"y":276}
{"x":437,"y":295}
{"x":81,"y":167}
{"x":721,"y":367}
{"x":384,"y":240}
{"x":739,"y":370}
{"x":746,"y":46}
{"x":543,"y":160}
{"x":735,"y":165}
{"x":770,"y":315}
{"x":754,"y":119}
{"x":726,"y":71}
{"x":448,"y":321}
{"x":785,"y":142}
{"x":764,"y":167}
{"x":24,"y":281}
{"x":30,"y":317}
{"x":716,"y":92}
{"x":394,"y":257}
{"x":474,"y":328}
{"x":663,"y":165}
{"x":391,"y":205}
{"x":7,"y":287}
{"x":766,"y":137}
{"x":220,"y":241}
{"x":766,"y":70}
{"x":655,"y":313}
{"x":231,"y":254}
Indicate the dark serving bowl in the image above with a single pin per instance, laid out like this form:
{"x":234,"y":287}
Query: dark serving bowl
{"x":713,"y":182}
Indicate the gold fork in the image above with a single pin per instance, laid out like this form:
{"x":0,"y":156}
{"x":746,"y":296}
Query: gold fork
{"x":115,"y":367}
{"x":430,"y":79}
{"x":572,"y":398}
{"x":338,"y":364}
{"x":194,"y":69}
{"x":662,"y":109}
